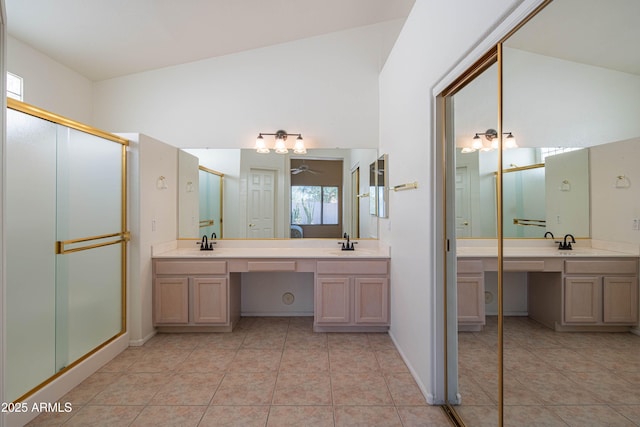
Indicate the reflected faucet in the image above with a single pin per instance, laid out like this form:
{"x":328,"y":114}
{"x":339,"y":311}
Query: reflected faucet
{"x":566,"y":246}
{"x":548,"y":233}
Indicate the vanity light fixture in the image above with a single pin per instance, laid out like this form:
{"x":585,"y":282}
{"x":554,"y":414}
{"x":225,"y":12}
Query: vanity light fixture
{"x":491,"y":143}
{"x":280,"y":147}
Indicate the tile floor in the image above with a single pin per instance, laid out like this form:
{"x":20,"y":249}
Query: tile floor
{"x":550,"y":378}
{"x":268,"y":372}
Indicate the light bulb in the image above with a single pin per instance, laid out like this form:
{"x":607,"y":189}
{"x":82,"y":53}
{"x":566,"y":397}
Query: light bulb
{"x":261,"y":147}
{"x":299,"y":148}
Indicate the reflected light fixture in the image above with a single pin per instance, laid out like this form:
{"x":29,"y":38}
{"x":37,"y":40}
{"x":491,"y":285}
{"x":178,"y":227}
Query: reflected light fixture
{"x":491,"y":143}
{"x":280,"y":146}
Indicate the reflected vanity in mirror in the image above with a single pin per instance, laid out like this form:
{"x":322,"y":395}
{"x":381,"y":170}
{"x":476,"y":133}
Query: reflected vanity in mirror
{"x":253,"y":192}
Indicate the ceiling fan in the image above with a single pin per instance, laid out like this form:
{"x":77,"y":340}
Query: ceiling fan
{"x":303,"y":168}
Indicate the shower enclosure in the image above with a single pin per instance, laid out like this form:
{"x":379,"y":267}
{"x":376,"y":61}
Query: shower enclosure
{"x":65,"y":245}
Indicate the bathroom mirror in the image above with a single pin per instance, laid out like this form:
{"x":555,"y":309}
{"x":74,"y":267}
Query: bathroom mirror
{"x":556,"y":97}
{"x":382,"y":186}
{"x":246,"y":174}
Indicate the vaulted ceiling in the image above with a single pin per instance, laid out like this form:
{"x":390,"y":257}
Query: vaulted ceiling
{"x":103,"y":39}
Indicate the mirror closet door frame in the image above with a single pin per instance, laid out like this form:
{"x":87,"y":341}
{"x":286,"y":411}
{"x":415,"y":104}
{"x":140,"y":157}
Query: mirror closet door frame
{"x":485,"y":54}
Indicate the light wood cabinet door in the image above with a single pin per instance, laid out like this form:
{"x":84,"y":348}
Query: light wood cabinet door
{"x":171,"y":300}
{"x":209,"y":300}
{"x":371,"y":300}
{"x":620,"y":299}
{"x":471,"y":299}
{"x":333,"y":300}
{"x":582,"y":299}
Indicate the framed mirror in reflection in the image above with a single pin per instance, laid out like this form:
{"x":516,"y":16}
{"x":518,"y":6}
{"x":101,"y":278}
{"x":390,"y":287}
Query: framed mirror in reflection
{"x":275,"y":195}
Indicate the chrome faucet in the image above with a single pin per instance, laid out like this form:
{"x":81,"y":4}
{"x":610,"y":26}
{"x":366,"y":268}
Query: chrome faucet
{"x":564,"y":245}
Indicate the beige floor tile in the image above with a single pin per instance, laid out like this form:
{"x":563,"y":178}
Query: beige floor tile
{"x":107,"y":416}
{"x":245,"y":388}
{"x":423,"y":416}
{"x":89,"y":388}
{"x":478,"y":416}
{"x":178,"y":416}
{"x":531,"y":416}
{"x":555,"y":389}
{"x":608,"y":387}
{"x":305,"y":340}
{"x":131,"y":389}
{"x":160,"y":360}
{"x":222,"y":341}
{"x":359,"y":389}
{"x":591,"y":416}
{"x":296,"y":416}
{"x":235,"y":416}
{"x":381,"y":341}
{"x":54,"y":418}
{"x":124,"y":360}
{"x":349,"y":360}
{"x":207,"y":360}
{"x":632,"y":412}
{"x":304,"y":361}
{"x":390,"y":360}
{"x":253,"y":360}
{"x":566,"y":359}
{"x":302,"y":389}
{"x":404,"y":390}
{"x":265,"y":340}
{"x":346,"y":341}
{"x":188,"y":389}
{"x":379,"y":416}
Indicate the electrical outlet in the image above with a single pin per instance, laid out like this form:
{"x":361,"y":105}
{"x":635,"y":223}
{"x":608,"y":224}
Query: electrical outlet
{"x":635,"y":225}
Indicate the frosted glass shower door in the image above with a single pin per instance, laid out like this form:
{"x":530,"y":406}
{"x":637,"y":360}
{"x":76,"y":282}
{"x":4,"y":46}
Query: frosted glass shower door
{"x":89,"y":277}
{"x":210,"y":203}
{"x":30,"y":214}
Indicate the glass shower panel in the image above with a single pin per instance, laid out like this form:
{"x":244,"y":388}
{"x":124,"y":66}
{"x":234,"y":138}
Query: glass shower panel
{"x":30,"y":259}
{"x":89,"y":281}
{"x":89,"y":301}
{"x":210,"y":203}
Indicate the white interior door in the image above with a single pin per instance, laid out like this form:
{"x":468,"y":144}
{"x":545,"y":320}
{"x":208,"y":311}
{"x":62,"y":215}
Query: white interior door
{"x":463,"y":228}
{"x":261,"y":204}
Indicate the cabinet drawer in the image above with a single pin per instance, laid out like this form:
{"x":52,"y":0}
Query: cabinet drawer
{"x":600,"y":267}
{"x":353,"y":267}
{"x":470,"y":266}
{"x":271,"y":266}
{"x":191,"y":267}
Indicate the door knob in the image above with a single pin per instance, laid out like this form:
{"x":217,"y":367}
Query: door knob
{"x":251,"y":225}
{"x":465,"y":223}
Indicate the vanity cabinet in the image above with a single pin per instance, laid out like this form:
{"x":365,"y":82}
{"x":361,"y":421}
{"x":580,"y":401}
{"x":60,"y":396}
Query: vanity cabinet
{"x":470,"y":289}
{"x":601,"y":292}
{"x":352,"y":294}
{"x":190,"y":293}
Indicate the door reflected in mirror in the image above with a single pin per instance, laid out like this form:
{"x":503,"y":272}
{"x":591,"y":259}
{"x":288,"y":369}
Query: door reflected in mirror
{"x":240,"y":169}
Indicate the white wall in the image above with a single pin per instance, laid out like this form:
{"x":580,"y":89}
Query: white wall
{"x":436,"y":35}
{"x":325,"y":87}
{"x":152,"y":219}
{"x":614,"y":209}
{"x":50,"y":85}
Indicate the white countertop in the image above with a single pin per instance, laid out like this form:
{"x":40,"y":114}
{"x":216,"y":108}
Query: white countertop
{"x":302,"y":248}
{"x":523,"y":248}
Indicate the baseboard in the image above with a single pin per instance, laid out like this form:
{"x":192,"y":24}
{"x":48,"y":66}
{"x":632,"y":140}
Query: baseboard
{"x":635,"y":331}
{"x":430,"y":398}
{"x":277,"y":314}
{"x":140,"y":342}
{"x":56,"y":389}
